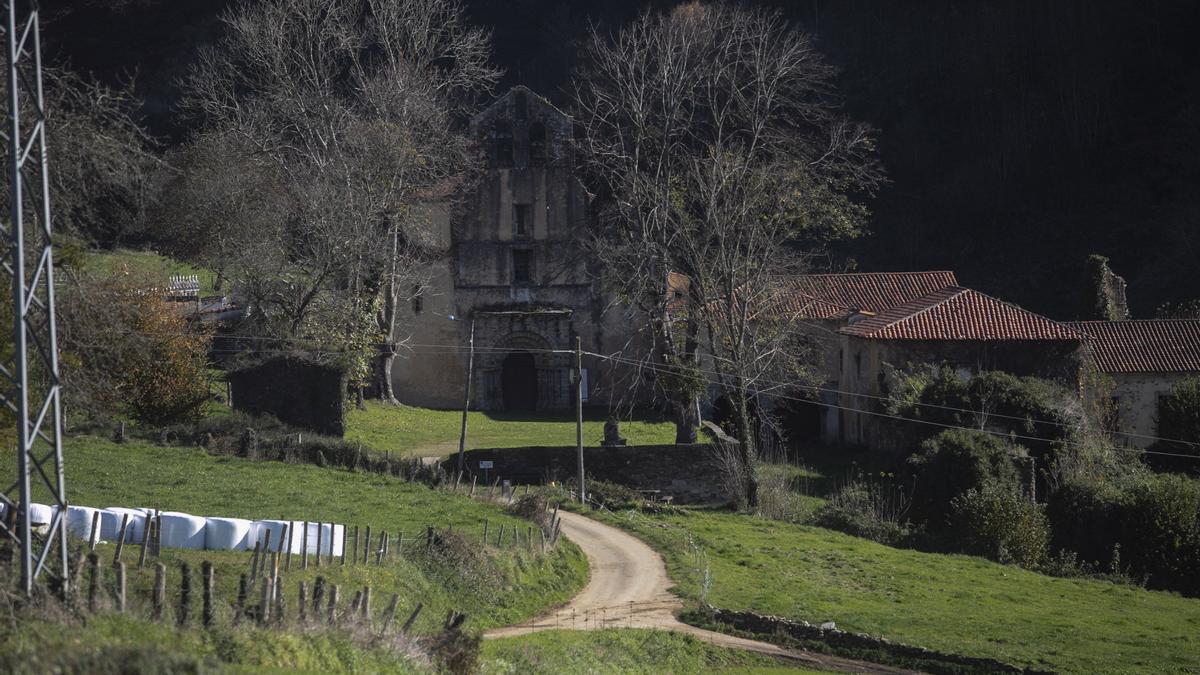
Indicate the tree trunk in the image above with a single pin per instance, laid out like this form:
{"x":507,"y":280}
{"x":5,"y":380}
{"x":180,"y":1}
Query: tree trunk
{"x":745,"y":446}
{"x":382,"y":387}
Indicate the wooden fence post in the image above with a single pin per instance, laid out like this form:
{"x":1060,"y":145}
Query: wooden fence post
{"x":355,"y":561}
{"x":485,"y":529}
{"x":304,"y":548}
{"x":390,"y":613}
{"x":345,"y":540}
{"x":243,"y":592}
{"x":206,"y":581}
{"x":379,"y":547}
{"x":320,"y":531}
{"x":367,"y":547}
{"x":120,"y":537}
{"x":185,"y":595}
{"x":318,"y":595}
{"x":333,"y":599}
{"x":94,"y":534}
{"x":529,"y":538}
{"x":412,"y":618}
{"x":93,"y":582}
{"x":159,"y":596}
{"x":119,"y":586}
{"x":254,"y":560}
{"x":302,"y":604}
{"x":147,"y":525}
{"x":280,"y":602}
{"x":265,"y":595}
{"x":365,"y":608}
{"x":472,"y":495}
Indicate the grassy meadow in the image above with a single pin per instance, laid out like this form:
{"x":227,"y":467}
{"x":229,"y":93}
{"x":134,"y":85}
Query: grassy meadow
{"x":954,"y":603}
{"x":412,"y":431}
{"x":145,"y":263}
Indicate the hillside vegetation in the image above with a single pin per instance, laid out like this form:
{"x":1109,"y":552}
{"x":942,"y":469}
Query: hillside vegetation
{"x":953,"y":603}
{"x":502,"y":586}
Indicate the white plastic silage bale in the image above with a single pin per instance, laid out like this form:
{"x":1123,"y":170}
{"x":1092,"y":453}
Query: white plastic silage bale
{"x":110,"y":524}
{"x":40,"y":514}
{"x":79,"y":521}
{"x":259,"y":532}
{"x":339,"y":533}
{"x":182,"y":530}
{"x":227,"y":534}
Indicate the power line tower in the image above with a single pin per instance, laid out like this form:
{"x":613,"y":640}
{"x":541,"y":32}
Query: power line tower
{"x":29,"y":386}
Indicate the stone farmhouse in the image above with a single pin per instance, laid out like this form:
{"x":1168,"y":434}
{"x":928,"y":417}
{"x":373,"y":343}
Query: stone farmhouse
{"x":516,"y":275}
{"x":1145,"y":359}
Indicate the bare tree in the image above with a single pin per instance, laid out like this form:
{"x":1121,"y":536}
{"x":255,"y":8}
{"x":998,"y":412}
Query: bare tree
{"x":346,"y":111}
{"x":714,"y":141}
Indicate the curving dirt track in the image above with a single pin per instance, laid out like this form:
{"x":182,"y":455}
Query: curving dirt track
{"x":629,"y":587}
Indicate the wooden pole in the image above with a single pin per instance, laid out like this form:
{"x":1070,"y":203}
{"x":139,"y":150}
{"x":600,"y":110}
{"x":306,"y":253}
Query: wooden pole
{"x":473,"y":477}
{"x":94,"y":534}
{"x":462,"y":433}
{"x":365,"y":608}
{"x":119,"y":586}
{"x":93,"y":582}
{"x":333,"y":599}
{"x":147,"y":525}
{"x":304,"y":548}
{"x":412,"y":618}
{"x":185,"y":595}
{"x":485,"y":529}
{"x":264,"y":603}
{"x":303,"y":603}
{"x":159,"y":599}
{"x":355,"y":561}
{"x":367,"y":547}
{"x":239,"y":609}
{"x":254,"y":560}
{"x":390,"y":613}
{"x":120,"y":538}
{"x":206,"y":581}
{"x":287,"y":565}
{"x":320,"y":531}
{"x":579,"y":417}
{"x":344,"y":542}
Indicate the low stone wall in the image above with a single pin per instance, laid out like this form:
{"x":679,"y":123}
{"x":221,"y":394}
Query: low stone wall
{"x":751,"y":622}
{"x":688,"y":473}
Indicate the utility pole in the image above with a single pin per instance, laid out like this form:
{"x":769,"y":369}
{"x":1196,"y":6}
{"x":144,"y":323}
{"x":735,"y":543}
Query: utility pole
{"x":462,"y":434}
{"x":32,"y":390}
{"x":579,"y":417}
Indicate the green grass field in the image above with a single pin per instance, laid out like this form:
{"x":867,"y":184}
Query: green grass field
{"x":146,"y":263}
{"x":954,"y":603}
{"x":424,"y":432}
{"x":518,"y":583}
{"x":618,"y":650}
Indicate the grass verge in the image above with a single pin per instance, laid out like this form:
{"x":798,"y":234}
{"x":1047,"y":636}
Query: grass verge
{"x":618,"y":650}
{"x":953,"y":603}
{"x":411,"y":431}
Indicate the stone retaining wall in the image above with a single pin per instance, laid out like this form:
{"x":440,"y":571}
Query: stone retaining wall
{"x":751,"y":622}
{"x":688,"y":473}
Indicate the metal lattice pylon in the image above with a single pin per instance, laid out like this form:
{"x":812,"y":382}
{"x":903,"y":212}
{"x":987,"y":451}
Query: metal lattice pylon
{"x":30,"y":383}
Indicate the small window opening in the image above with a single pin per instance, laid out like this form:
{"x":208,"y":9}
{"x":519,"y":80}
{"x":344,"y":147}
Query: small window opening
{"x":522,"y":221}
{"x":522,"y":273}
{"x":537,"y":143}
{"x":502,"y":139}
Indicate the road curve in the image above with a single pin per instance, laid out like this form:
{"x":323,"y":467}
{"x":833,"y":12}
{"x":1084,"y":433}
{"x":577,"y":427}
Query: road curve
{"x":629,"y":587}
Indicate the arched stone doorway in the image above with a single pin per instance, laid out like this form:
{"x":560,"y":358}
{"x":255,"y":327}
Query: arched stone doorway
{"x":521,"y":371}
{"x":519,"y":382}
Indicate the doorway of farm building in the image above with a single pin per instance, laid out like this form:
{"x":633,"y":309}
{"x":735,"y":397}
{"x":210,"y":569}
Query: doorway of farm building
{"x":519,"y":382}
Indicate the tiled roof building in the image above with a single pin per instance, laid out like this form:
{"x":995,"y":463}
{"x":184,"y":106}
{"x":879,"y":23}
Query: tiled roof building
{"x":956,"y":313}
{"x":1147,"y":346}
{"x":837,"y":296}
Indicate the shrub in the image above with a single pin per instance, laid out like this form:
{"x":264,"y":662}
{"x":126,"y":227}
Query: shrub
{"x":127,"y":350}
{"x":955,"y":461}
{"x":868,"y":509}
{"x":1000,"y":524}
{"x":1154,"y":521}
{"x":609,"y":495}
{"x":1179,"y":420}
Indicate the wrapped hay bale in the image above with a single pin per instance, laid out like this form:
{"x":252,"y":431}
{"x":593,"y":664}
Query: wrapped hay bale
{"x":110,"y":524}
{"x":258,"y":533}
{"x":182,"y":530}
{"x":40,"y":514}
{"x":79,"y":521}
{"x":227,"y":534}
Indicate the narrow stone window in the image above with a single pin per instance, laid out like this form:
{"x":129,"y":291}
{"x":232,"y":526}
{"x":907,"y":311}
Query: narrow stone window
{"x":522,"y":266}
{"x":502,"y":139}
{"x":537,"y":143}
{"x":522,"y":220}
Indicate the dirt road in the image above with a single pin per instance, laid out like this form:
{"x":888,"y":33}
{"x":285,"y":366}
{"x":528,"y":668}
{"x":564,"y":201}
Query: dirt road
{"x":629,"y":587}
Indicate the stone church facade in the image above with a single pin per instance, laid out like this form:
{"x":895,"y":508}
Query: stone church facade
{"x":516,"y":275}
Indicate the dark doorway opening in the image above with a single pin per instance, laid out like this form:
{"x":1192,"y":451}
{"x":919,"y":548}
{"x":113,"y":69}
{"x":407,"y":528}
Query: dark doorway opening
{"x":518,"y":382}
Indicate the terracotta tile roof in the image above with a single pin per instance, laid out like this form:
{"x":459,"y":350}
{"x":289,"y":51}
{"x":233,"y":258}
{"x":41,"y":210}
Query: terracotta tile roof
{"x":956,"y":313}
{"x":1146,"y":346}
{"x":835,"y":296}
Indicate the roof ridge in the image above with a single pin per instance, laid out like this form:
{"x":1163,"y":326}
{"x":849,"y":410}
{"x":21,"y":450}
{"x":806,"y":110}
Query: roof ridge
{"x":958,"y":290}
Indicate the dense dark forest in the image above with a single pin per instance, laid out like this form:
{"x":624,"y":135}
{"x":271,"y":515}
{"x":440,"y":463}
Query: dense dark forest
{"x":1019,"y":137}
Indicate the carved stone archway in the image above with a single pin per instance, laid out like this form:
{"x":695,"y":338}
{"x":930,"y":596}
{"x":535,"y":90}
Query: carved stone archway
{"x":523,"y":353}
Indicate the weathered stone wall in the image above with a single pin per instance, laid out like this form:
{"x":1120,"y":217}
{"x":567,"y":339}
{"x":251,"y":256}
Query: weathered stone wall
{"x":686,"y":472}
{"x":297,"y":392}
{"x":751,"y":622}
{"x":1137,"y":397}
